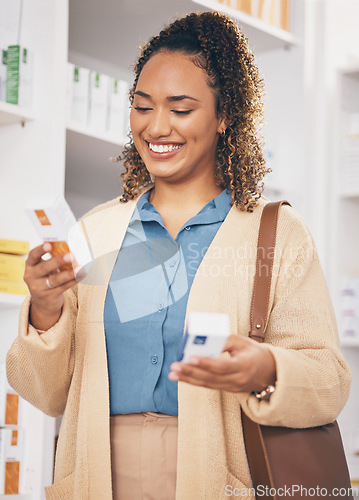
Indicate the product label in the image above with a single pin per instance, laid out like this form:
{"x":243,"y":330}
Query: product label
{"x":44,"y":221}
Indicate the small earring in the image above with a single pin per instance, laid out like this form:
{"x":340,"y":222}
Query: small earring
{"x":223,"y":133}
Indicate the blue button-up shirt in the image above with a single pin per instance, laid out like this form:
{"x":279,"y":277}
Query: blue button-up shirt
{"x":146,"y":304}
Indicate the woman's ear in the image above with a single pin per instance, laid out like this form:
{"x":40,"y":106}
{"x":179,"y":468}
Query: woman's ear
{"x":222,"y":125}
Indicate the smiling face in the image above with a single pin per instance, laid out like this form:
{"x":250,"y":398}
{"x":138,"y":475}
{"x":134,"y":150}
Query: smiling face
{"x":173,"y":119}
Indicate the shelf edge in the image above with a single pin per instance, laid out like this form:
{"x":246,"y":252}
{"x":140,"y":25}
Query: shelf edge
{"x":253,"y":22}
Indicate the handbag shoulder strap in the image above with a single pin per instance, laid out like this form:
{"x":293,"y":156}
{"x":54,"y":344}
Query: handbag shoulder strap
{"x":264,"y":269}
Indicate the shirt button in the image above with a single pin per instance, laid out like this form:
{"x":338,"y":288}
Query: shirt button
{"x":154,"y":360}
{"x":187,"y":228}
{"x":160,"y":306}
{"x":173,"y":263}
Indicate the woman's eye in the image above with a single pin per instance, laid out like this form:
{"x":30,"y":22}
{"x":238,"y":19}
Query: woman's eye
{"x":138,"y":108}
{"x":178,"y":112}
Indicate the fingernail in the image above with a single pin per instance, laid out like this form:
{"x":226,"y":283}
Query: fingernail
{"x":176,"y":367}
{"x":67,"y":257}
{"x":46,"y":247}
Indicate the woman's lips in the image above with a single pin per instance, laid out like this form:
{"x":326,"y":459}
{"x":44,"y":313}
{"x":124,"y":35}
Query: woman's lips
{"x":163,"y":151}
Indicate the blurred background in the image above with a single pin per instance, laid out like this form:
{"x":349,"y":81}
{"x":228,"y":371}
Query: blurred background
{"x":66,"y":67}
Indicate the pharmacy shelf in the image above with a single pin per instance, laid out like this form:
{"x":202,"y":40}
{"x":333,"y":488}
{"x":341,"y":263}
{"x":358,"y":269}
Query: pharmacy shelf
{"x":101,"y":136}
{"x":8,"y":299}
{"x":348,"y":342}
{"x":263,"y":35}
{"x":349,"y":194}
{"x":10,"y":114}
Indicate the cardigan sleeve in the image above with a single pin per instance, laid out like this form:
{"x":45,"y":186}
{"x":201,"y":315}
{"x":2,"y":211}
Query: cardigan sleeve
{"x":39,"y":366}
{"x":313,"y":379}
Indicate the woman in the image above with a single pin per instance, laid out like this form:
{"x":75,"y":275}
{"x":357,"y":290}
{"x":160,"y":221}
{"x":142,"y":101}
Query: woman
{"x":182,"y":238}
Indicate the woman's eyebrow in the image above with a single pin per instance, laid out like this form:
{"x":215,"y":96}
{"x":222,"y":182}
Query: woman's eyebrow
{"x":169,"y":98}
{"x":180,"y":98}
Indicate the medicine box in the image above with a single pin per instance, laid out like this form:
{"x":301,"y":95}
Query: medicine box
{"x":12,"y":267}
{"x":99,"y":94}
{"x":3,"y":73}
{"x":55,"y":222}
{"x":15,"y":247}
{"x":11,"y":452}
{"x":118,"y":108}
{"x":19,"y":76}
{"x":205,"y":336}
{"x":80,"y":83}
{"x":10,"y":402}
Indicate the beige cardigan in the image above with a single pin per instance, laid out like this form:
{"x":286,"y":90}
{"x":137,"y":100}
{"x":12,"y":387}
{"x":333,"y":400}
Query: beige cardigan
{"x":64,"y":370}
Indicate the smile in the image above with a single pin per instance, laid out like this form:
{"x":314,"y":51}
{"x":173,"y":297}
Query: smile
{"x":163,"y":148}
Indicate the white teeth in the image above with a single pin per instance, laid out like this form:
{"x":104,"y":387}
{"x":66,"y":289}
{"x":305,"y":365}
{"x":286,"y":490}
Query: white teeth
{"x":159,"y":148}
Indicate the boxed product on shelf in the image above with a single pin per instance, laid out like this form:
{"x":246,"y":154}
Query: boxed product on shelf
{"x":118,"y":108}
{"x":19,"y":76}
{"x":349,"y":172}
{"x":11,"y":453}
{"x":79,"y":94}
{"x":12,"y":267}
{"x":13,"y":288}
{"x":10,"y":402}
{"x":3,"y":73}
{"x":99,"y":94}
{"x":349,"y":314}
{"x":15,"y":247}
{"x":274,"y":12}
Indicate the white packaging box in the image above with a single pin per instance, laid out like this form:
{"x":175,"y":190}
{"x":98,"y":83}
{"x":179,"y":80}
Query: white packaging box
{"x":118,"y":108}
{"x":80,"y":82}
{"x":11,"y":453}
{"x":19,"y":76}
{"x":99,"y":95}
{"x":206,"y":335}
{"x":69,"y":89}
{"x":10,"y":11}
{"x":3,"y":73}
{"x":55,"y":222}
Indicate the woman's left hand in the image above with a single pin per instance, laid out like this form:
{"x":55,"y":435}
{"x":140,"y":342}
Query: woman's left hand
{"x":251,"y":367}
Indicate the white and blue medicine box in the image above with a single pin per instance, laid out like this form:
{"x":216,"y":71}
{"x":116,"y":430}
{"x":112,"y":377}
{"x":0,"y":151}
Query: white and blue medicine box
{"x":205,"y":336}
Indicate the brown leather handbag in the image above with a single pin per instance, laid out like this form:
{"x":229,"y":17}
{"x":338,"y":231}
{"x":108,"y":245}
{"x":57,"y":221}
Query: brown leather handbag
{"x":287,"y":462}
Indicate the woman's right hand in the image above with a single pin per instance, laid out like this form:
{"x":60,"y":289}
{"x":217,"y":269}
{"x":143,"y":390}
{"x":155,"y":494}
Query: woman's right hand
{"x":47,"y":284}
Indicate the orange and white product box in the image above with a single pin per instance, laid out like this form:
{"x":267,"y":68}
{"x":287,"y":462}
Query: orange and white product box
{"x":10,"y":402}
{"x":11,"y":453}
{"x":54,"y":222}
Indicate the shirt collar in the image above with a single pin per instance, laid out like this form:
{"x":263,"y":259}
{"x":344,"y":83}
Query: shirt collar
{"x":215,"y":210}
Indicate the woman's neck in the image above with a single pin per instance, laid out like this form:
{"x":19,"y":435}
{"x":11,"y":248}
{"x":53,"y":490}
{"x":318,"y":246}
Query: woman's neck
{"x":190,"y":197}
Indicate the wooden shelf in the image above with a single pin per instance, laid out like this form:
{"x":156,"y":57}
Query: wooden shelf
{"x":10,"y":114}
{"x":87,"y":131}
{"x":261,"y":35}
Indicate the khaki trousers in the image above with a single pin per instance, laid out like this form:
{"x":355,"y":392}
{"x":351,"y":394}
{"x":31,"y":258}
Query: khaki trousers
{"x":144,"y":456}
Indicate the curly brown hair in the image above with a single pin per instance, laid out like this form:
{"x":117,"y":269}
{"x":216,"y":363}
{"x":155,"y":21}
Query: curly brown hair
{"x":215,"y":43}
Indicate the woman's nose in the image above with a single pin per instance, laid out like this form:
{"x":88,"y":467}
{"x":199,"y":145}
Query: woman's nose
{"x":159,"y":124}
